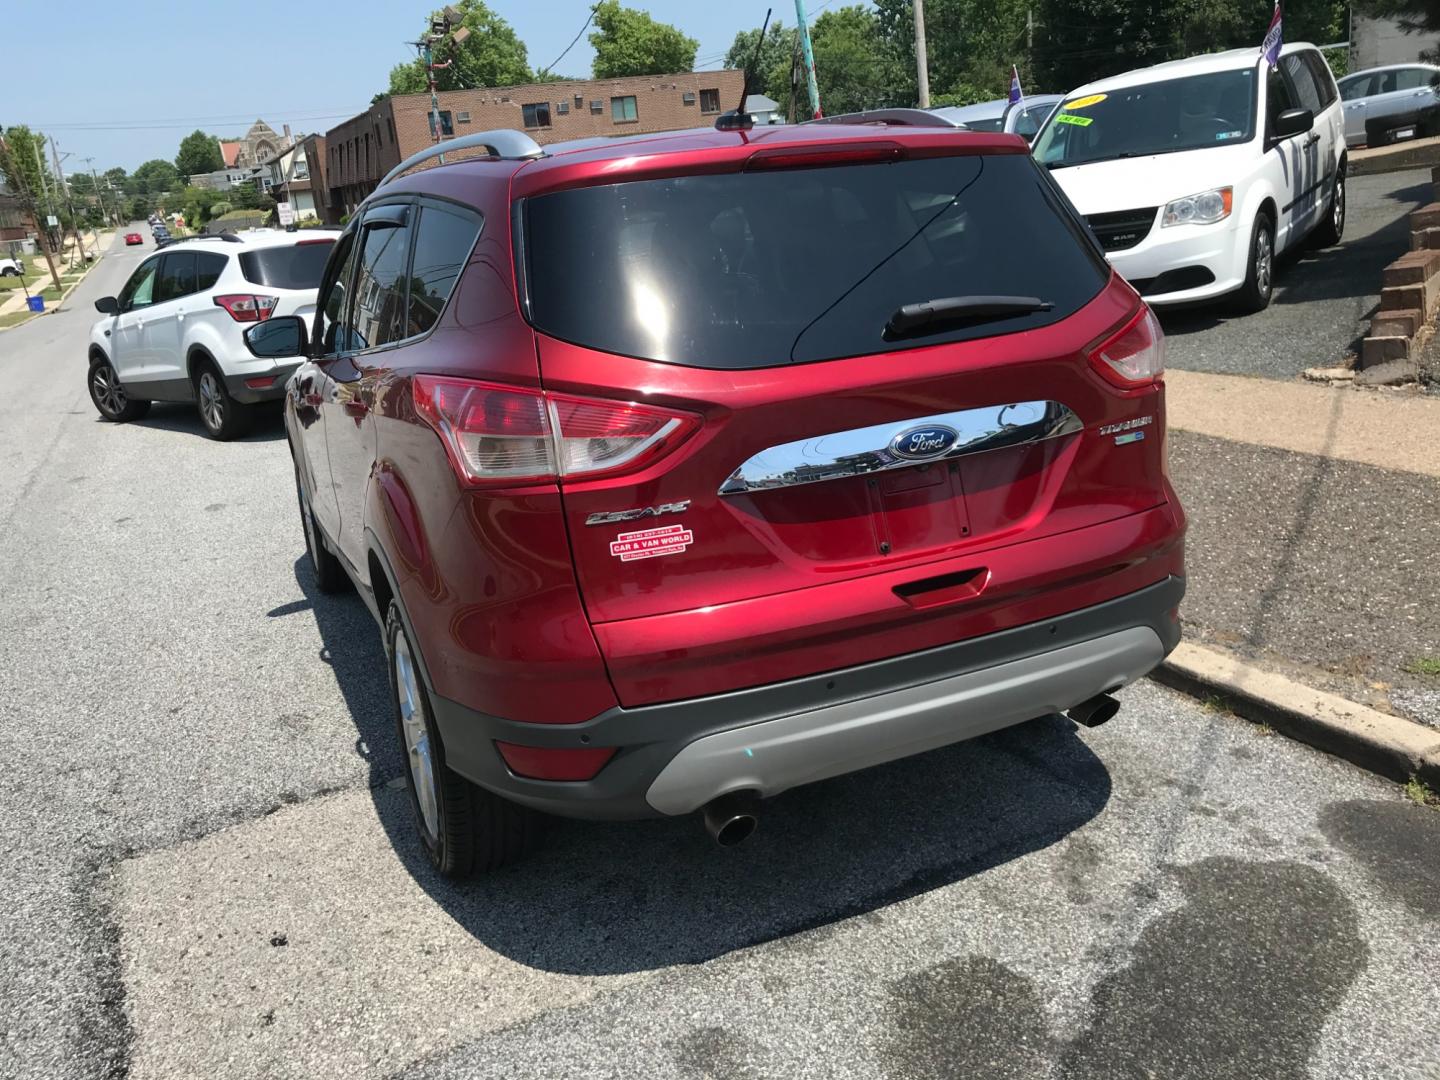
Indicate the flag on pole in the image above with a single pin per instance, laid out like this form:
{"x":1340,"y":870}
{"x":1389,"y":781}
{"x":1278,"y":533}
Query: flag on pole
{"x":1270,"y":47}
{"x":1016,"y":94}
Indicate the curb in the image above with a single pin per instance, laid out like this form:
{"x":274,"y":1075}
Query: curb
{"x":1387,"y":745}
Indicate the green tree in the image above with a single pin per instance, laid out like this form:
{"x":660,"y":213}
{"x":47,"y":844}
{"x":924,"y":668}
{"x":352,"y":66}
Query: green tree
{"x":18,"y":162}
{"x":856,"y":66}
{"x":154,"y":177}
{"x":140,"y":207}
{"x":629,"y":42}
{"x":492,"y":55}
{"x":116,"y":176}
{"x":971,"y":45}
{"x":771,"y":75}
{"x":199,"y":153}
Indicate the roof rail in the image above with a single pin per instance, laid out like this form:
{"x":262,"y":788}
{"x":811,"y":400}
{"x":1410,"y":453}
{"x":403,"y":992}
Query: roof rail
{"x":899,"y":117}
{"x":505,"y":143}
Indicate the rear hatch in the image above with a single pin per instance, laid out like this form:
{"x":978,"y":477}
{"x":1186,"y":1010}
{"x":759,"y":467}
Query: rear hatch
{"x":289,"y":272}
{"x":843,"y":491}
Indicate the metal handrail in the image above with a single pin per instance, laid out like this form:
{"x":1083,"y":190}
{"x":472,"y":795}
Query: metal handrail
{"x":504,"y":143}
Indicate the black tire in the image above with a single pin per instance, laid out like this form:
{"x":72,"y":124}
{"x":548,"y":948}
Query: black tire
{"x":469,"y":830}
{"x":1331,"y":229}
{"x":109,"y":397}
{"x":330,"y":575}
{"x":8,"y":272}
{"x":1259,"y":285}
{"x":223,"y":417}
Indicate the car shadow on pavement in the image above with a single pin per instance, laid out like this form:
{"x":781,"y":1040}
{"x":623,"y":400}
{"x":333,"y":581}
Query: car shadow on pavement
{"x":269,"y":421}
{"x":612,"y":897}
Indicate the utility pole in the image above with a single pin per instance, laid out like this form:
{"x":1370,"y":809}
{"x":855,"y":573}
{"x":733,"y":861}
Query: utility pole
{"x":99,"y":192}
{"x":442,"y":28}
{"x":1030,"y":34}
{"x":922,"y":69}
{"x":69,"y":202}
{"x":47,"y":241}
{"x":803,"y":29}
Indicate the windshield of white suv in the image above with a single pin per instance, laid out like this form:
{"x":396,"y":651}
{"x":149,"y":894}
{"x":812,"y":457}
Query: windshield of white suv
{"x":1216,"y":109}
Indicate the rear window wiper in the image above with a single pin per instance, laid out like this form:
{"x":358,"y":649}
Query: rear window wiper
{"x":932,"y":316}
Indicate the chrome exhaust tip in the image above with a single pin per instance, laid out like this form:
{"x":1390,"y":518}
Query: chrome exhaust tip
{"x":1095,"y":711}
{"x":731,"y":818}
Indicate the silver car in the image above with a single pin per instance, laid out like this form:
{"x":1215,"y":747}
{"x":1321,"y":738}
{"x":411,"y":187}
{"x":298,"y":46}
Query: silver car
{"x":1387,"y":104}
{"x":1022,"y":118}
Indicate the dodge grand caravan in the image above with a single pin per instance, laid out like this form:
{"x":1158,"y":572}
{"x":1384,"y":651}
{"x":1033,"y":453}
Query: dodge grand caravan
{"x":683,"y":470}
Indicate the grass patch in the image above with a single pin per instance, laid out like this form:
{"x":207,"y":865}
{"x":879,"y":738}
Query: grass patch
{"x":1428,"y":666}
{"x":15,"y":318}
{"x":1215,"y":703}
{"x":1416,"y":790}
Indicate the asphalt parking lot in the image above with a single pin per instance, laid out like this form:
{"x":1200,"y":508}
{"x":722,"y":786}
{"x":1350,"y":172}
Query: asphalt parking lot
{"x":1323,"y":299}
{"x":208,"y":871}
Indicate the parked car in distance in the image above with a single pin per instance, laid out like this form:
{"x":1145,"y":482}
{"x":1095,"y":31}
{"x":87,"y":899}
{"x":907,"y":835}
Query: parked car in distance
{"x":1388,"y":104}
{"x":1028,"y":115}
{"x":674,"y":484}
{"x":174,"y":331}
{"x":10,"y":268}
{"x":1195,"y":174}
{"x":131,"y":239}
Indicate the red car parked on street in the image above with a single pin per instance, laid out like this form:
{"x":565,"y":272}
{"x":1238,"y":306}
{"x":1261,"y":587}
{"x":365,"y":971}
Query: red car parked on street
{"x":684,"y":469}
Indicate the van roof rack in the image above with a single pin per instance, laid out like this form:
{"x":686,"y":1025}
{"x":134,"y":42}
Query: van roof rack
{"x":898,"y":117}
{"x":504,"y":143}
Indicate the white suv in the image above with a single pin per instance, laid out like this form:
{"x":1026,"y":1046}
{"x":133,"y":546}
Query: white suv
{"x":175,"y":332}
{"x":1194,"y":174}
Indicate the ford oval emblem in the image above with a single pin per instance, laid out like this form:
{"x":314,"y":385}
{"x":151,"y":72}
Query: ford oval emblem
{"x":924,"y":443}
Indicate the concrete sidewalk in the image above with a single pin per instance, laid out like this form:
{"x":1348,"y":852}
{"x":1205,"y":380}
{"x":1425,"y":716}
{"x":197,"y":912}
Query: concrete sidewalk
{"x":1313,"y":522}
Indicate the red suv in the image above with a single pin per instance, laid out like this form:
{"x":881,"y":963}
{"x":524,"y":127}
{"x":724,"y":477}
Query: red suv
{"x":681,"y":470}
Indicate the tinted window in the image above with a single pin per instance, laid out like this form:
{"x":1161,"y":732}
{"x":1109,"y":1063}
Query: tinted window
{"x":761,"y":268}
{"x":208,"y":268}
{"x":996,"y":123}
{"x":293,"y":266}
{"x":622,"y":109}
{"x":442,"y":245}
{"x":1412,"y":79}
{"x":177,"y":277}
{"x":1324,"y":80}
{"x":1385,"y":82}
{"x":139,"y":291}
{"x":1278,"y":97}
{"x":377,"y":310}
{"x":1031,"y":118}
{"x":1302,"y":81}
{"x":537,"y":115}
{"x":1153,"y":118}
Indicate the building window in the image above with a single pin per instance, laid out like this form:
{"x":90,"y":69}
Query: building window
{"x":462,"y":118}
{"x":390,"y":123}
{"x":579,"y":101}
{"x":537,"y":115}
{"x":709,"y":101}
{"x":688,"y":98}
{"x":597,"y":106}
{"x":446,"y":127}
{"x":562,"y":107}
{"x":622,"y":110}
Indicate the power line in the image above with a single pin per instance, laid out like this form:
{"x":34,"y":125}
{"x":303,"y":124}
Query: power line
{"x":589,"y":19}
{"x":215,"y":117}
{"x":161,"y":127}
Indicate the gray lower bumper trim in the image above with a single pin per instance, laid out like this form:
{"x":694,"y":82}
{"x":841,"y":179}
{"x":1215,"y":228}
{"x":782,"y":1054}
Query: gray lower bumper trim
{"x":775,"y":755}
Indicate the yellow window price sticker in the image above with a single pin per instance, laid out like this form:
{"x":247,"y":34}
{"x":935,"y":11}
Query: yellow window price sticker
{"x":1086,"y":102}
{"x":1078,"y":121}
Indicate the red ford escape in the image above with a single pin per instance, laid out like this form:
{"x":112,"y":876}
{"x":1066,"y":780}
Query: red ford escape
{"x":682,"y":470}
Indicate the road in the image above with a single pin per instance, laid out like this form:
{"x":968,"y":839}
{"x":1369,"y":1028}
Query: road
{"x":208,"y":870}
{"x":1323,"y":299}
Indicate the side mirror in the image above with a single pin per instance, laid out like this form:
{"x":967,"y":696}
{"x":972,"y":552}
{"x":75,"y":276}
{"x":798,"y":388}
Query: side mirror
{"x":278,"y":338}
{"x":107,"y":305}
{"x":1293,"y":122}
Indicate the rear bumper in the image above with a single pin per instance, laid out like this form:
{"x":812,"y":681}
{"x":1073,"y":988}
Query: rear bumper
{"x":676,"y":756}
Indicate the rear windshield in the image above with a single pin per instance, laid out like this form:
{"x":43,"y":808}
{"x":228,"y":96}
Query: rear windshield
{"x":293,"y":266}
{"x":756,"y":269}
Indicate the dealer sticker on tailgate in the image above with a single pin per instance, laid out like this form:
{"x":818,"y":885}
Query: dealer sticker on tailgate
{"x":650,"y":543}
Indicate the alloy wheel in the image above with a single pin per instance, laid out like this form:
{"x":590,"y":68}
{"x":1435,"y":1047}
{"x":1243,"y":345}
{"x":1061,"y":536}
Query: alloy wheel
{"x":1264,"y":257}
{"x":212,"y":401}
{"x":108,"y":394}
{"x":417,"y":736}
{"x":1337,"y":209}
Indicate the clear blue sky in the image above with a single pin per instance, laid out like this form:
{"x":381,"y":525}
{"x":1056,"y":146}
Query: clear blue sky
{"x":122,"y":82}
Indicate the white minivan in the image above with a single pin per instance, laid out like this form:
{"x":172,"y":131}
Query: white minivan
{"x":1194,"y":174}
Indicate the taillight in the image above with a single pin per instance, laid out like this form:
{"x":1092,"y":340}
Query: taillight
{"x":1135,"y":355}
{"x":500,"y":434}
{"x":245,"y":307}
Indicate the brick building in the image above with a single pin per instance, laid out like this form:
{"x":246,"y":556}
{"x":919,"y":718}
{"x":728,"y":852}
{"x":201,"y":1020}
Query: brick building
{"x":363,"y":149}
